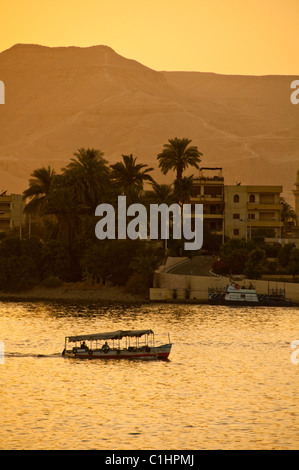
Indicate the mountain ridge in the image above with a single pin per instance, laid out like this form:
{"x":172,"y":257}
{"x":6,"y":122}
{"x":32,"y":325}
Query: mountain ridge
{"x":62,"y":98}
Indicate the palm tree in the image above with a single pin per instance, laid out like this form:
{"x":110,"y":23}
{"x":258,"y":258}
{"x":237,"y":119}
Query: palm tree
{"x":64,"y":205}
{"x":129,"y":177}
{"x":178,"y":155}
{"x":287,"y":213}
{"x":161,"y":193}
{"x":88,"y":174}
{"x":288,"y":216}
{"x":146,"y":262}
{"x":40,"y":187}
{"x":182,"y":189}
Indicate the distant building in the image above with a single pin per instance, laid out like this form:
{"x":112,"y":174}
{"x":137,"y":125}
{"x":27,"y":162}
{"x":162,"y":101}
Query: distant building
{"x":253,"y":210}
{"x":237,"y":211}
{"x":296,"y":194}
{"x":11,"y":211}
{"x":208,"y":189}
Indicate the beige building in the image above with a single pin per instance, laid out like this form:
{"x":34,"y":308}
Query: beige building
{"x":250,"y":210}
{"x":296,"y":194}
{"x":11,"y":211}
{"x":237,"y":211}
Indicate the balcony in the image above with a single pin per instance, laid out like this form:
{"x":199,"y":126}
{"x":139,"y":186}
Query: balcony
{"x":5,"y":215}
{"x":206,"y":199}
{"x":213,"y":216}
{"x":264,"y":223}
{"x":253,"y":206}
{"x":5,"y":199}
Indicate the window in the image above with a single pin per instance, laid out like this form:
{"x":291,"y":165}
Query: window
{"x":213,"y":191}
{"x":267,"y":198}
{"x":236,"y":198}
{"x":236,"y":232}
{"x":236,"y":216}
{"x":252,"y":198}
{"x":251,"y":215}
{"x":195,"y":191}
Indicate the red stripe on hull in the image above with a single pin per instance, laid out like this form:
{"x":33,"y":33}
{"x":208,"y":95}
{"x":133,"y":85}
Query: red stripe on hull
{"x":122,"y":356}
{"x":157,"y":355}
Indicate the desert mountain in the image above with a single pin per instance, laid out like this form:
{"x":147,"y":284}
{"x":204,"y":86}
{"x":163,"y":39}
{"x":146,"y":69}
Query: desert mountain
{"x":60,"y":99}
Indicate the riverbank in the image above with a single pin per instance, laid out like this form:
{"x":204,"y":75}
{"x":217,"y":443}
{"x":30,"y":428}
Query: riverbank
{"x":76,"y":293}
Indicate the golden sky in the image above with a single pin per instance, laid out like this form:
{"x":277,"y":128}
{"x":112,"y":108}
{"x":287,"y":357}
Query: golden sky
{"x":252,"y":37}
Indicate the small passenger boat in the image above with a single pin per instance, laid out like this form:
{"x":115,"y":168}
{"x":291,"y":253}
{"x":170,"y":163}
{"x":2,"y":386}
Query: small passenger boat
{"x":128,"y":344}
{"x":236,"y":295}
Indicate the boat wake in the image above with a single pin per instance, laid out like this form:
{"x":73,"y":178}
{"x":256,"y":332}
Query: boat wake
{"x":16,"y":354}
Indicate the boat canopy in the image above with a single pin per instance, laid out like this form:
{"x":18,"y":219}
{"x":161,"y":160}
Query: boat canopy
{"x":110,"y":335}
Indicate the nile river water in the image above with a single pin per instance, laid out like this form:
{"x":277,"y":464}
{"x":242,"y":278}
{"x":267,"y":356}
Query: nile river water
{"x":229,"y":382}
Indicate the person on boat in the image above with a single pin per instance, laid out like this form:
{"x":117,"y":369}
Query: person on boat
{"x":84,"y":345}
{"x":105,"y":347}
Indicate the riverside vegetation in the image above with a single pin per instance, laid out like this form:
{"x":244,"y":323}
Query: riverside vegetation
{"x":58,"y":243}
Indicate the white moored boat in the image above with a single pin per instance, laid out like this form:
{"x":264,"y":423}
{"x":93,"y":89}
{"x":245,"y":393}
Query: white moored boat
{"x":236,"y":295}
{"x":121,"y":344}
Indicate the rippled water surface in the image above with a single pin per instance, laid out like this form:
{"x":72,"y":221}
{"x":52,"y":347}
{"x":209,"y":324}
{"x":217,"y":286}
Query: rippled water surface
{"x":229,"y":383}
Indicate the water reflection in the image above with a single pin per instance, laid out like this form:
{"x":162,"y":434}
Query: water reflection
{"x":229,"y":382}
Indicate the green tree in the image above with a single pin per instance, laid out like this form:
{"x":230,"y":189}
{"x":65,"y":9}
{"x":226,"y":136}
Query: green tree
{"x":88,"y":175}
{"x":255,"y":264}
{"x":40,"y":187}
{"x":288,"y":216}
{"x":182,"y":189}
{"x":146,"y":261}
{"x":129,"y":177}
{"x":284,"y":254}
{"x":287,"y":211}
{"x":19,"y":263}
{"x":160,"y":193}
{"x":110,"y":260}
{"x":64,"y":205}
{"x":178,"y":155}
{"x":55,"y":261}
{"x":234,"y":254}
{"x":293,"y":265}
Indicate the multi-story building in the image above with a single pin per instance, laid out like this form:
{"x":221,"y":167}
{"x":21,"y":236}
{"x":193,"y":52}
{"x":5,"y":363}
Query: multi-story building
{"x":11,"y":211}
{"x":208,"y":189}
{"x":237,"y":211}
{"x":252,"y":210}
{"x":296,"y":194}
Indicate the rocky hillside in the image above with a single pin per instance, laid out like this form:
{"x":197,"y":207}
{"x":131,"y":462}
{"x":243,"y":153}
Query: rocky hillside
{"x":60,"y":99}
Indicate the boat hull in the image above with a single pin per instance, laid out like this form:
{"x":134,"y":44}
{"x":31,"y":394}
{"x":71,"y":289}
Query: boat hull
{"x":157,"y":352}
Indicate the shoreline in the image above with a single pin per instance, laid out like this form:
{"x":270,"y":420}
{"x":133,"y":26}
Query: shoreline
{"x":67,"y":293}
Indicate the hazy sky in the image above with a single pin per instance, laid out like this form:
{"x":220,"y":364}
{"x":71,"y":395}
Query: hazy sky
{"x":224,"y":36}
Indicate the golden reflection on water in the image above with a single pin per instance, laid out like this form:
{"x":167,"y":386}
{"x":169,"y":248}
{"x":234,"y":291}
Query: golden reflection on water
{"x":229,"y":383}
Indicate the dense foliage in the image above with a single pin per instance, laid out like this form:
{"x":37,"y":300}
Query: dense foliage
{"x":253,"y":258}
{"x":61,"y":245}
